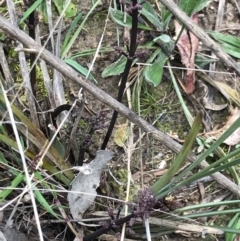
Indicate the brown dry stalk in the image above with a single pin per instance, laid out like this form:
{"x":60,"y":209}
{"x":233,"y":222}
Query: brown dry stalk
{"x":77,"y":78}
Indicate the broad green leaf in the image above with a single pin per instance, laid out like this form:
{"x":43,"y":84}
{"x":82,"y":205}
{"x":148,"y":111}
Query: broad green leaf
{"x":234,"y":51}
{"x":153,"y":73}
{"x":193,"y":6}
{"x":71,"y":10}
{"x":30,"y":10}
{"x":5,"y":192}
{"x":228,"y":42}
{"x":118,"y":17}
{"x":79,"y":68}
{"x":150,"y":14}
{"x":201,"y":60}
{"x":69,"y":32}
{"x":181,"y":157}
{"x":44,"y":203}
{"x":167,"y":42}
{"x":188,"y":6}
{"x":226,"y":38}
{"x":116,"y":68}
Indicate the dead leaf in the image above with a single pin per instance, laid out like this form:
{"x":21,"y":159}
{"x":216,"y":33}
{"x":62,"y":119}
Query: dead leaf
{"x":233,"y":139}
{"x":211,"y":106}
{"x":187,"y":46}
{"x":83,"y":192}
{"x":121,"y":135}
{"x":229,"y":92}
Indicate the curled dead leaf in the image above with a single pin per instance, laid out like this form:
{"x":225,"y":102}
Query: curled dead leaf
{"x":233,"y":139}
{"x":211,"y":106}
{"x":188,"y":45}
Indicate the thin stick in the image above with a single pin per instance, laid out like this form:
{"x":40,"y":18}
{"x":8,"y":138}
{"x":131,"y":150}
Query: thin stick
{"x":206,"y":40}
{"x":21,"y":151}
{"x":217,"y":27}
{"x":108,"y":100}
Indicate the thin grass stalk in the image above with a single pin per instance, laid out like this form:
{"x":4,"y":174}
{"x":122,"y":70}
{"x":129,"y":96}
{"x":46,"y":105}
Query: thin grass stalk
{"x":21,"y":151}
{"x":24,"y":68}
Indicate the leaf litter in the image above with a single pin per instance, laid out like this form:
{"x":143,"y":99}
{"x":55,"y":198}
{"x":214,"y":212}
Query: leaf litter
{"x":187,"y":45}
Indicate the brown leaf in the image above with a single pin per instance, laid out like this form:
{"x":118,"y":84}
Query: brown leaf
{"x":187,"y":46}
{"x":233,"y":139}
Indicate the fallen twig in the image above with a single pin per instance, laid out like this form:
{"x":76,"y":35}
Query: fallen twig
{"x":202,"y":35}
{"x":77,"y":78}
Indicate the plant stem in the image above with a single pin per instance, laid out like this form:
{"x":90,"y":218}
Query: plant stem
{"x":132,"y":50}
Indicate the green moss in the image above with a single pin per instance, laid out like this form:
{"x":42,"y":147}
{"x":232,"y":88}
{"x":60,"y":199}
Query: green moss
{"x":40,"y":86}
{"x":122,"y":176}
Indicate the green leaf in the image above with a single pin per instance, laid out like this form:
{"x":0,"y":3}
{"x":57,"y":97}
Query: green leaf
{"x":167,"y":41}
{"x":57,"y":145}
{"x":69,"y":32}
{"x":43,"y":10}
{"x":176,"y":183}
{"x":44,"y":203}
{"x":201,"y":60}
{"x":234,"y":51}
{"x":181,"y":157}
{"x":30,"y":10}
{"x":153,"y":73}
{"x":76,"y":33}
{"x":166,"y":17}
{"x":234,"y":223}
{"x":2,"y":159}
{"x":46,"y":165}
{"x":71,"y":9}
{"x":118,"y":17}
{"x":116,"y":68}
{"x":39,"y":139}
{"x":228,"y":42}
{"x":79,"y":68}
{"x":226,"y":38}
{"x":5,"y":192}
{"x":193,"y":6}
{"x":150,"y":14}
{"x":188,"y":6}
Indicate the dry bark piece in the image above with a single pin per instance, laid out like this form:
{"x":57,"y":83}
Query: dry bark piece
{"x":188,"y":45}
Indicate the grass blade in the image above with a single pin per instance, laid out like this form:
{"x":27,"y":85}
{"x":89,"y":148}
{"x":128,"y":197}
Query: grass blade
{"x":44,"y":203}
{"x":74,"y":37}
{"x":187,"y":147}
{"x":30,"y":10}
{"x":69,"y":32}
{"x":16,"y":181}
